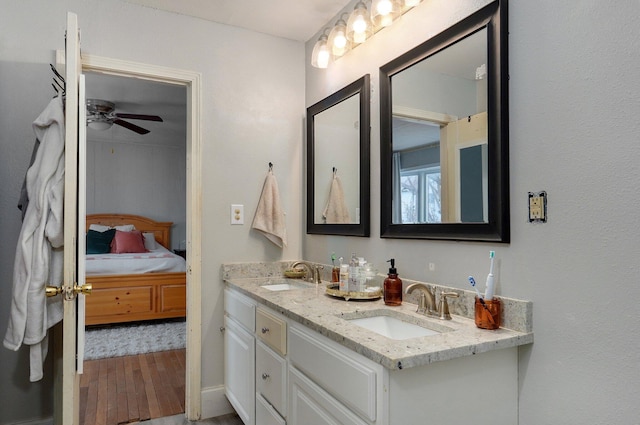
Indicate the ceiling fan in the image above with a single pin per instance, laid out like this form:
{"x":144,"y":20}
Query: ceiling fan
{"x":101,"y":115}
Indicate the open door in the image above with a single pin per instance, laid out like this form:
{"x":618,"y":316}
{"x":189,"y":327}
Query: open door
{"x":67,"y":383}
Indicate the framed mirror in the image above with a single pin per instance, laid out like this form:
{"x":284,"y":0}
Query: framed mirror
{"x":338,"y":151}
{"x":444,"y":134}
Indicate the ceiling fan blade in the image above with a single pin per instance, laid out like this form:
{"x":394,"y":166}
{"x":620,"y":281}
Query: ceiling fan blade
{"x":139,"y":117}
{"x":130,"y":126}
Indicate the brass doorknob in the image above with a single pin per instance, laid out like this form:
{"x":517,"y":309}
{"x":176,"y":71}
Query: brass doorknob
{"x":83,"y":289}
{"x":52,"y":291}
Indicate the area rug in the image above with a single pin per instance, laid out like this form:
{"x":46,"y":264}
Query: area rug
{"x":135,"y":338}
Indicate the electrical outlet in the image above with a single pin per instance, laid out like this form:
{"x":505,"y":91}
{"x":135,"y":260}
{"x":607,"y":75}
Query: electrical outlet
{"x":237,"y":214}
{"x":538,"y":207}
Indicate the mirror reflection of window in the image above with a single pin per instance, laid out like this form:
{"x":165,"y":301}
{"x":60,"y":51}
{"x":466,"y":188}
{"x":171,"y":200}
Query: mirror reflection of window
{"x":416,"y":169}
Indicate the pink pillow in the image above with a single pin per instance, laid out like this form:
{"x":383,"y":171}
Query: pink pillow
{"x":127,"y":242}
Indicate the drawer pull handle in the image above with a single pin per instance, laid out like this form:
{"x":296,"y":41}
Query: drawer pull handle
{"x":265,"y":376}
{"x":265,"y":330}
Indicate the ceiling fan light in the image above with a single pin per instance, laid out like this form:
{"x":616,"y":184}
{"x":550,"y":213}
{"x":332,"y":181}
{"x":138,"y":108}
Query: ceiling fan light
{"x":99,"y":125}
{"x":359,"y":26}
{"x":384,"y":12}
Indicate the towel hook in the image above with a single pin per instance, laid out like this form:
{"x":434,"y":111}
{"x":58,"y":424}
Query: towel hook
{"x":334,"y":170}
{"x":270,"y":166}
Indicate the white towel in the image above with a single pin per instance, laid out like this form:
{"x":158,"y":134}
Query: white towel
{"x":269,"y":218}
{"x":39,"y":254}
{"x":336,"y":211}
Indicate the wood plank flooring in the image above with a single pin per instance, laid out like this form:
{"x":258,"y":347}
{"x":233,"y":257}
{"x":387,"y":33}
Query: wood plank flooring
{"x":130,"y":389}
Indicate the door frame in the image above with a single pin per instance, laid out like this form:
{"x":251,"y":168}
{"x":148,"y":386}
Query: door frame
{"x":193,"y":83}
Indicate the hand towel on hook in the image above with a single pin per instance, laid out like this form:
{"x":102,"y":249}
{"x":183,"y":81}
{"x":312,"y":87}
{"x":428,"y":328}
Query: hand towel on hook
{"x":336,"y":211}
{"x":269,"y":218}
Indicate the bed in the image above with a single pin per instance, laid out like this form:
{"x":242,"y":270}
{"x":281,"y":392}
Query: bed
{"x":135,"y":293}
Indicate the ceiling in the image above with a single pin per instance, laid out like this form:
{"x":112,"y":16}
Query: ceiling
{"x":293,"y":19}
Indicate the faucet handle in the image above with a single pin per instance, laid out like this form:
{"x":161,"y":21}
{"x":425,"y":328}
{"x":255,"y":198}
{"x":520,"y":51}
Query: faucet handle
{"x":443,"y":308}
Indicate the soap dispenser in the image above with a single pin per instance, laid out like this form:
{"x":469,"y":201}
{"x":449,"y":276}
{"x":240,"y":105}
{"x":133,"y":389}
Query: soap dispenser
{"x":392,"y":286}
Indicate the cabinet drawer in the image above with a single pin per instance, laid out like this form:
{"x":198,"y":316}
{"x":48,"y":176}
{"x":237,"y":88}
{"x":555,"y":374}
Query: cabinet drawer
{"x":347,"y":377}
{"x":271,"y":377}
{"x":272,"y":330}
{"x":265,"y":414}
{"x":241,"y":308}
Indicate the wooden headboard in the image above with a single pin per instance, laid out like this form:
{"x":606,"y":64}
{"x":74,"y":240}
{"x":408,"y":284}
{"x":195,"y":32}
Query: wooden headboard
{"x":160,"y":229}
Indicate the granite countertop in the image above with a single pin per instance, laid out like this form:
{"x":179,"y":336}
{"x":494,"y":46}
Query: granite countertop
{"x":327,"y":315}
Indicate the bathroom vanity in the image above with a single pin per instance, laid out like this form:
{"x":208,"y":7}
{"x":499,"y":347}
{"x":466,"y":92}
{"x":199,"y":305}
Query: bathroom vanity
{"x":294,"y":355}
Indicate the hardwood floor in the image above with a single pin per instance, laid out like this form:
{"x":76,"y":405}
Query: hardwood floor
{"x":130,"y":389}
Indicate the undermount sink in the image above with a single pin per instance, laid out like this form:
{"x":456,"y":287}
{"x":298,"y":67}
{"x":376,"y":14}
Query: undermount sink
{"x":284,"y":285}
{"x":385,"y":323}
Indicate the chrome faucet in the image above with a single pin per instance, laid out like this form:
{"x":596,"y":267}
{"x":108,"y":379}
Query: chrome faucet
{"x":427,"y":301}
{"x":314,"y":269}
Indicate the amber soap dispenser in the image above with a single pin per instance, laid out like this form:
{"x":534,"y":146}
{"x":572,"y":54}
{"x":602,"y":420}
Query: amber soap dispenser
{"x":393,"y":286}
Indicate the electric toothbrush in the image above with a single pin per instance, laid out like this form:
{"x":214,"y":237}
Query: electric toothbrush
{"x":489,"y":292}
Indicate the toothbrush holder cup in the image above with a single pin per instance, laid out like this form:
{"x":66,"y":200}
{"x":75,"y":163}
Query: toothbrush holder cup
{"x":487,"y":314}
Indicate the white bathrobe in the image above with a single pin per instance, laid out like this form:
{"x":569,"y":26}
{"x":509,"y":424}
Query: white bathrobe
{"x":39,"y":254}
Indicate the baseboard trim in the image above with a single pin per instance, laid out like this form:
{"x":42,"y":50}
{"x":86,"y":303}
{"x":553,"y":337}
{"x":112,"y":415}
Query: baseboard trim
{"x":215,"y":403}
{"x":48,"y":421}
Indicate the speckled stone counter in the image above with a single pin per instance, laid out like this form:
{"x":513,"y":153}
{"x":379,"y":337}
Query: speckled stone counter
{"x":312,"y":307}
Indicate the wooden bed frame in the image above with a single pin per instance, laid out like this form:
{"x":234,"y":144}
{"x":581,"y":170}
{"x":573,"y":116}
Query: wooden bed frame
{"x":134,"y":297}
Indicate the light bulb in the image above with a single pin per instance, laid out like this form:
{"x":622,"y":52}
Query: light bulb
{"x":384,"y":7}
{"x":323,"y":57}
{"x":340,"y":40}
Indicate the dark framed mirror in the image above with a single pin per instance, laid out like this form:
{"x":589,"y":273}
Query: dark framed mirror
{"x":444,"y":134}
{"x":338,"y":157}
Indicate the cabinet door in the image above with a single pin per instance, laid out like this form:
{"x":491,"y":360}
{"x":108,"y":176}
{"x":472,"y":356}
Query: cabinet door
{"x":311,"y":405}
{"x":239,"y":370}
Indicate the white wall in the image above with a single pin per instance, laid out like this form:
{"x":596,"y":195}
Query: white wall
{"x":252,"y":114}
{"x":574,"y":133}
{"x":142,"y":179}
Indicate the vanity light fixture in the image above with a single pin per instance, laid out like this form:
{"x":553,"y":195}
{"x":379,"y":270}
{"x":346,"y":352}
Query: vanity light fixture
{"x":338,"y":38}
{"x":359,"y":26}
{"x":321,"y":54}
{"x":384,"y":12}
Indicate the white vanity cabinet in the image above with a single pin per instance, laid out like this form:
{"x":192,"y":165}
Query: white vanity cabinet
{"x":278,"y":372}
{"x":239,"y":354}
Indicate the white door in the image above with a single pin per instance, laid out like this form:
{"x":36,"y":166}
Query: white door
{"x":67,"y":381}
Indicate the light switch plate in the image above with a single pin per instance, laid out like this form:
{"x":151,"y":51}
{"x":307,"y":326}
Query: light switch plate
{"x":538,"y":207}
{"x":237,"y":214}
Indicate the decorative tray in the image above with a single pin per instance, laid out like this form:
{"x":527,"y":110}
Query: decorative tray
{"x":334,"y":291}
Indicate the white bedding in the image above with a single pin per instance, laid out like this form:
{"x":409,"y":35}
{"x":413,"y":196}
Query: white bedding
{"x":159,"y":260}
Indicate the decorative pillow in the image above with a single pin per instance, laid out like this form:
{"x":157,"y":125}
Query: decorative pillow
{"x":127,"y":242}
{"x":99,"y":227}
{"x":99,"y":242}
{"x":125,"y":227}
{"x":150,"y":241}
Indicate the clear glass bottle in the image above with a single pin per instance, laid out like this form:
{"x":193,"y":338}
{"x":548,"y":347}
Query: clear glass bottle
{"x":353,"y":273}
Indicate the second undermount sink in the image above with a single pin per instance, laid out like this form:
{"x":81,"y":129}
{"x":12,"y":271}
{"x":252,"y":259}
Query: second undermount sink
{"x":284,"y":285}
{"x":388,"y":325}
